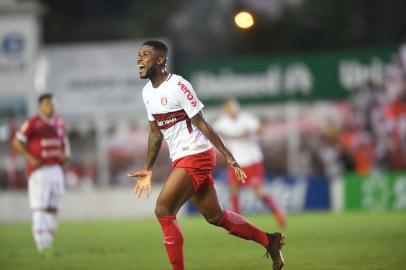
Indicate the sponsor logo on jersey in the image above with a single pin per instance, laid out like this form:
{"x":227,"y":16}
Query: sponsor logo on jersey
{"x":50,"y":153}
{"x":188,"y":94}
{"x":50,"y":142}
{"x":166,"y":121}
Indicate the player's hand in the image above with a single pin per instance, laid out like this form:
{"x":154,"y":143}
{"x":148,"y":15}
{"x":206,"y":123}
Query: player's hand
{"x":239,"y":173}
{"x":143,"y":182}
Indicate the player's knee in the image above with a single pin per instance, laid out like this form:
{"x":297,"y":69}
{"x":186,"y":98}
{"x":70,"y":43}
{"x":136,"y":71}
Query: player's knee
{"x":214,"y":219}
{"x":162,"y":211}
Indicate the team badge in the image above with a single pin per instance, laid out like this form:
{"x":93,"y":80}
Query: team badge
{"x":164,"y":101}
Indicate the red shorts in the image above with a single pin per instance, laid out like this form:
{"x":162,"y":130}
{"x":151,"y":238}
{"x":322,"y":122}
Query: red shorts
{"x":255,"y":175}
{"x":200,"y":167}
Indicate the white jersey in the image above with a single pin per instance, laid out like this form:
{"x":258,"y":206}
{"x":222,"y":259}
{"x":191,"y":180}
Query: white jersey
{"x":246,"y":151}
{"x":171,"y":105}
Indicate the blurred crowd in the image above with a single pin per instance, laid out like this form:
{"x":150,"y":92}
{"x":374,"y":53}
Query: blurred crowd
{"x":365,"y":133}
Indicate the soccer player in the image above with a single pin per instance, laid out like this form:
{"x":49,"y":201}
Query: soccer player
{"x":175,"y":113}
{"x":43,"y":143}
{"x":240,"y":129}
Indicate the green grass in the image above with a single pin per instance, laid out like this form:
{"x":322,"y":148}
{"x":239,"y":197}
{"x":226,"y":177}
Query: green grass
{"x":314,"y":241}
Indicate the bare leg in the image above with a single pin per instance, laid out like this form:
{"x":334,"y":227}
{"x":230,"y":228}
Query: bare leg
{"x":177,"y":190}
{"x":207,"y":202}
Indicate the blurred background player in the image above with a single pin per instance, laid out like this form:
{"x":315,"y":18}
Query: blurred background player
{"x":43,"y":143}
{"x":240,"y":129}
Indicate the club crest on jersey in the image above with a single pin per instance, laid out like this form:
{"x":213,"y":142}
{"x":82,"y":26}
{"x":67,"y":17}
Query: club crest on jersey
{"x":188,"y":94}
{"x":164,"y":101}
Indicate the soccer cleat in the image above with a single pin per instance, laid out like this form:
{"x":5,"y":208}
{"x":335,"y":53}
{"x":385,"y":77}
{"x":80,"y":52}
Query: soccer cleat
{"x":274,"y":249}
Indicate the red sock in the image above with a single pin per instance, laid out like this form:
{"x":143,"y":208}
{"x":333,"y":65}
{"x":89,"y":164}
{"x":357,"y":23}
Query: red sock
{"x":235,"y":203}
{"x":280,"y":217}
{"x":237,"y":225}
{"x":173,"y":241}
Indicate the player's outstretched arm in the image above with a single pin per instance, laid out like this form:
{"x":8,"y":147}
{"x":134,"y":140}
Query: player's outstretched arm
{"x":144,"y":175}
{"x":143,"y":182}
{"x":199,"y":122}
{"x":154,"y":145}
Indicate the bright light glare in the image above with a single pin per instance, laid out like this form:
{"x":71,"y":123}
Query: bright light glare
{"x":244,"y":20}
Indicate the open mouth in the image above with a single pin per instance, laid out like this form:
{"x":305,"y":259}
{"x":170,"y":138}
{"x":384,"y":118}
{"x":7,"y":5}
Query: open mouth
{"x":141,"y":68}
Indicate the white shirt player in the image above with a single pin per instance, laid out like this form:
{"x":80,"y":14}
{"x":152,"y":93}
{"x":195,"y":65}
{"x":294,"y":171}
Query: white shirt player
{"x":172,"y":104}
{"x":245,"y":150}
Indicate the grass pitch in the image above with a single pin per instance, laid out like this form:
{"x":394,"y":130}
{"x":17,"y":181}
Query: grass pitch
{"x":315,"y":241}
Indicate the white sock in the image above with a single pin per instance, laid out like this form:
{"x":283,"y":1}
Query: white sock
{"x":39,"y":230}
{"x":51,"y":224}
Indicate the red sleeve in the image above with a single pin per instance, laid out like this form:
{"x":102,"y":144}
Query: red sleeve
{"x":25,"y":130}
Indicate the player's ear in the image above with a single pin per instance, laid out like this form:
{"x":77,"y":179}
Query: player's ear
{"x":162,"y":61}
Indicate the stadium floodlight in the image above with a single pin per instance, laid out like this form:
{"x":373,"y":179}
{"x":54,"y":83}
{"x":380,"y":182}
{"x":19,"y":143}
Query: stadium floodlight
{"x":244,"y":20}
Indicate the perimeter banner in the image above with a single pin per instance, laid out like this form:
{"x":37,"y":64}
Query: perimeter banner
{"x":292,"y":194}
{"x":299,"y":77}
{"x":379,"y":191}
